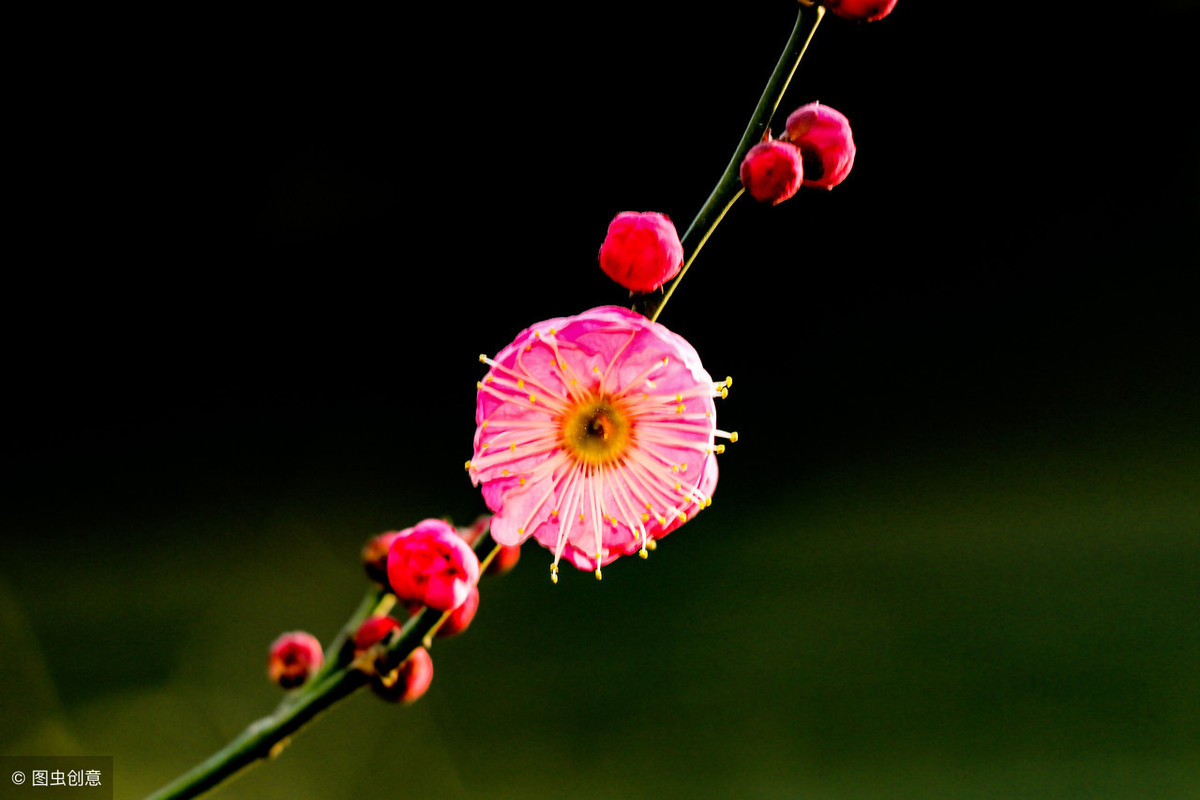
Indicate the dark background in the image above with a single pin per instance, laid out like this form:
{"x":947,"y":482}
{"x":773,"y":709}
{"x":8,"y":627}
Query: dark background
{"x":954,"y":554}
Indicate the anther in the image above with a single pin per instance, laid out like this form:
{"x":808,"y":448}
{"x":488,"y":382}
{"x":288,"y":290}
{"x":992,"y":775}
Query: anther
{"x":554,"y":573}
{"x":733,"y":437}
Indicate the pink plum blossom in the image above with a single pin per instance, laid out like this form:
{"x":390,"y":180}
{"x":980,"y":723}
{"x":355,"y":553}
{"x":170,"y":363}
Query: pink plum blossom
{"x":822,"y":134}
{"x":641,"y":250}
{"x":772,"y":171}
{"x":861,"y":10}
{"x":595,"y":435}
{"x":429,"y":563}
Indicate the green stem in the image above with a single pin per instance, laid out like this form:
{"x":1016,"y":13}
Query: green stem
{"x":262,"y":738}
{"x":266,"y":737}
{"x":728,"y":188}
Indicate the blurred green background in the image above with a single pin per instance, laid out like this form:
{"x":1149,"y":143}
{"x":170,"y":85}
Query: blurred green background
{"x":954,"y":554}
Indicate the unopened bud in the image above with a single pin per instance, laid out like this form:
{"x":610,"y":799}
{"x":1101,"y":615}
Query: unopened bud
{"x":375,"y":555}
{"x":641,"y":251}
{"x":861,"y":10}
{"x":772,"y":171}
{"x":430,"y":564}
{"x":504,"y":560}
{"x":409,"y":681}
{"x":372,"y":631}
{"x":293,"y":657}
{"x":822,"y":135}
{"x":460,"y":617}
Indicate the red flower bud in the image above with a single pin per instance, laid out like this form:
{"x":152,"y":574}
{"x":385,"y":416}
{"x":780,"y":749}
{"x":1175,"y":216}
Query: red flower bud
{"x":861,"y":10}
{"x":293,"y":657}
{"x":505,"y":560}
{"x":641,"y":251}
{"x":460,"y":617}
{"x":772,"y":171}
{"x":375,"y":555}
{"x":822,"y":134}
{"x":409,"y":681}
{"x":372,"y":631}
{"x":430,"y":564}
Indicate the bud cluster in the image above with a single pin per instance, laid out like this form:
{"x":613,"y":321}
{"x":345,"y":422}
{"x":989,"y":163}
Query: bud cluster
{"x":816,"y":151}
{"x":642,"y":250}
{"x":430,"y":565}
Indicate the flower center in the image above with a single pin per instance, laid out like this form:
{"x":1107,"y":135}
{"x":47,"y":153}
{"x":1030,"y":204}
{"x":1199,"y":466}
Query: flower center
{"x":595,"y":432}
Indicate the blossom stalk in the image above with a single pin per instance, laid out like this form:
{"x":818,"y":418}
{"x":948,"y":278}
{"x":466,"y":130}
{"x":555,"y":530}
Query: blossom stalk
{"x":266,"y":737}
{"x":729,"y":187}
